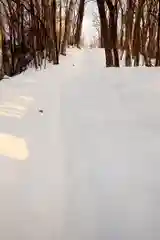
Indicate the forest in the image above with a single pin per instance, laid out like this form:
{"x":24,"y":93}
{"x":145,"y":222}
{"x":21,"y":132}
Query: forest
{"x":35,"y":31}
{"x":79,"y":120}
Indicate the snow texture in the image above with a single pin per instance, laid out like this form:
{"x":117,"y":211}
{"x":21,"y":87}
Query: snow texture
{"x":80,"y":157}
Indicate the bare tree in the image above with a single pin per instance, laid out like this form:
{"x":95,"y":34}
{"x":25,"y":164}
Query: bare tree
{"x":68,"y":21}
{"x":79,"y":23}
{"x":33,"y":31}
{"x":105,"y":33}
{"x":128,"y":32}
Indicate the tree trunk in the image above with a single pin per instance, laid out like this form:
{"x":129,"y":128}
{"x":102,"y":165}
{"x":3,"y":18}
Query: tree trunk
{"x":69,"y":11}
{"x":60,"y":25}
{"x":105,"y":33}
{"x":55,"y":45}
{"x":128,"y":33}
{"x":79,"y":23}
{"x":158,"y":40}
{"x":136,"y":36}
{"x":113,"y":30}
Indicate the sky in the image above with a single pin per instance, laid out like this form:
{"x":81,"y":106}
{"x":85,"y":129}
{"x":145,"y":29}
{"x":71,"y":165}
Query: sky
{"x":88,"y":29}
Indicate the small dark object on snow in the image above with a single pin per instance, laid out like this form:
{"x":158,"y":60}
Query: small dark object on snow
{"x":40,"y":110}
{"x":73,"y":65}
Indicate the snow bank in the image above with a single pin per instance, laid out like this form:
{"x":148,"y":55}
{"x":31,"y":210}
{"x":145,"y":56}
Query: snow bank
{"x":92,"y":169}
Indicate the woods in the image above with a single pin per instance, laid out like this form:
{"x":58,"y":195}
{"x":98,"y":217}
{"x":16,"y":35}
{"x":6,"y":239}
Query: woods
{"x":33,"y":32}
{"x":36,"y":31}
{"x":133,"y":29}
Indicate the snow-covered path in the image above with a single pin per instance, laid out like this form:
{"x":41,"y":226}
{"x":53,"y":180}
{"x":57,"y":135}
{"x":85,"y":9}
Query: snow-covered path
{"x":90,"y":163}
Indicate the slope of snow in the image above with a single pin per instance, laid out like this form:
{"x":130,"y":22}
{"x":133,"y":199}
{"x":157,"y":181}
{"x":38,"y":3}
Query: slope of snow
{"x":88,"y":166}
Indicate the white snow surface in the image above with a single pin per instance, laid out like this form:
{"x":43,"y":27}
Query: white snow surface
{"x":88,"y":167}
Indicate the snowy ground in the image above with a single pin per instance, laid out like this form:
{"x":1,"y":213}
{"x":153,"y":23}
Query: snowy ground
{"x":88,"y":167}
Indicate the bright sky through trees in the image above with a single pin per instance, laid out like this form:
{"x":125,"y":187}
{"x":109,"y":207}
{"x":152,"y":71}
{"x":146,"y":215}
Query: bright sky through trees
{"x":88,"y":29}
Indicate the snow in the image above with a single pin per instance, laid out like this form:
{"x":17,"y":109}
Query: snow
{"x":88,"y":167}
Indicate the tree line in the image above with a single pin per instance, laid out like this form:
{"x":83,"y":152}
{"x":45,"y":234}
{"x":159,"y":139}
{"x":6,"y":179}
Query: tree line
{"x":36,"y":31}
{"x":130,"y":28}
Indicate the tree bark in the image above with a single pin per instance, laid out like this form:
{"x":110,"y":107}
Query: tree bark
{"x":136,"y":36}
{"x":69,"y":11}
{"x":105,"y":33}
{"x":113,"y":30}
{"x":79,"y":23}
{"x":55,"y":45}
{"x":158,"y":40}
{"x":128,"y":33}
